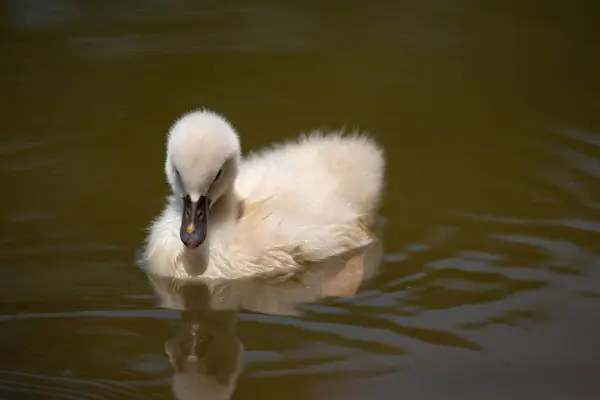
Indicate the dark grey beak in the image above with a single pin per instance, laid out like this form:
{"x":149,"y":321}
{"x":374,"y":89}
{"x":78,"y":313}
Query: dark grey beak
{"x":194,"y":222}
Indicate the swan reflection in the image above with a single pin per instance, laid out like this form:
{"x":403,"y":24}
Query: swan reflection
{"x":206,"y":355}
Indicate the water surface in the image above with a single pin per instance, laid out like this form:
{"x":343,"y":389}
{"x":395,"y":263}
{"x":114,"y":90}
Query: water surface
{"x":490,"y":281}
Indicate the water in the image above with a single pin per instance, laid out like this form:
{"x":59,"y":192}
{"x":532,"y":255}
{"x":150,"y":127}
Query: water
{"x":490,"y":279}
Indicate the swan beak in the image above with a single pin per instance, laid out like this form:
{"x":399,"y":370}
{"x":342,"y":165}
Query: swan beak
{"x":193,"y":222}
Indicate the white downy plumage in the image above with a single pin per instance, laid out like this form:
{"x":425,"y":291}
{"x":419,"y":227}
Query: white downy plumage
{"x":271,"y":212}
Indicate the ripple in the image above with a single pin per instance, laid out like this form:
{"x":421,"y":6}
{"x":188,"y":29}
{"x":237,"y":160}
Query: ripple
{"x":13,"y":147}
{"x":65,"y":247}
{"x":511,"y":318}
{"x":565,"y":256}
{"x":376,"y":340}
{"x":14,"y":382}
{"x":29,"y":216}
{"x":434,"y":292}
{"x":152,"y":314}
{"x":135,"y":45}
{"x":578,"y":134}
{"x":582,"y":225}
{"x":32,"y":164}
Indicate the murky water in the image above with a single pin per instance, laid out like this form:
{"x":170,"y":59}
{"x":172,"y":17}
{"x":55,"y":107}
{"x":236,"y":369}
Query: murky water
{"x":490,"y":281}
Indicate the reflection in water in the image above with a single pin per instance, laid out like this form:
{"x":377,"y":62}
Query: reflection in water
{"x":206,"y":355}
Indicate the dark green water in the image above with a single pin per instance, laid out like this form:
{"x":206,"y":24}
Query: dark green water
{"x":489,"y":112}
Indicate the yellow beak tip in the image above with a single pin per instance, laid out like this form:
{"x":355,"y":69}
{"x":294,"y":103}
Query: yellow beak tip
{"x":190,"y":228}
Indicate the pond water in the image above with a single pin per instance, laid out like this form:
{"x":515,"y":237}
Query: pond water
{"x":489,"y":285}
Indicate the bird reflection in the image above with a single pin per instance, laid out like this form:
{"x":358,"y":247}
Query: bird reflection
{"x":205,"y":353}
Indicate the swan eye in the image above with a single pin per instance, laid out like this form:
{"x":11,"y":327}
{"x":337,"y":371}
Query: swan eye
{"x":186,"y":203}
{"x":219,"y":174}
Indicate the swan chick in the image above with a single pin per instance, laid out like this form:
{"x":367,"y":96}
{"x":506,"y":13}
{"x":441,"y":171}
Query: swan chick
{"x":268,"y":213}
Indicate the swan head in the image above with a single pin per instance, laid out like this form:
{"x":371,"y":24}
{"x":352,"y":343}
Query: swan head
{"x":203,"y":153}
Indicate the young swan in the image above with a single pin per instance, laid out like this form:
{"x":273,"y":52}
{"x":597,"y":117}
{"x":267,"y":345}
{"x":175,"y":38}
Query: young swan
{"x":267,"y":214}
